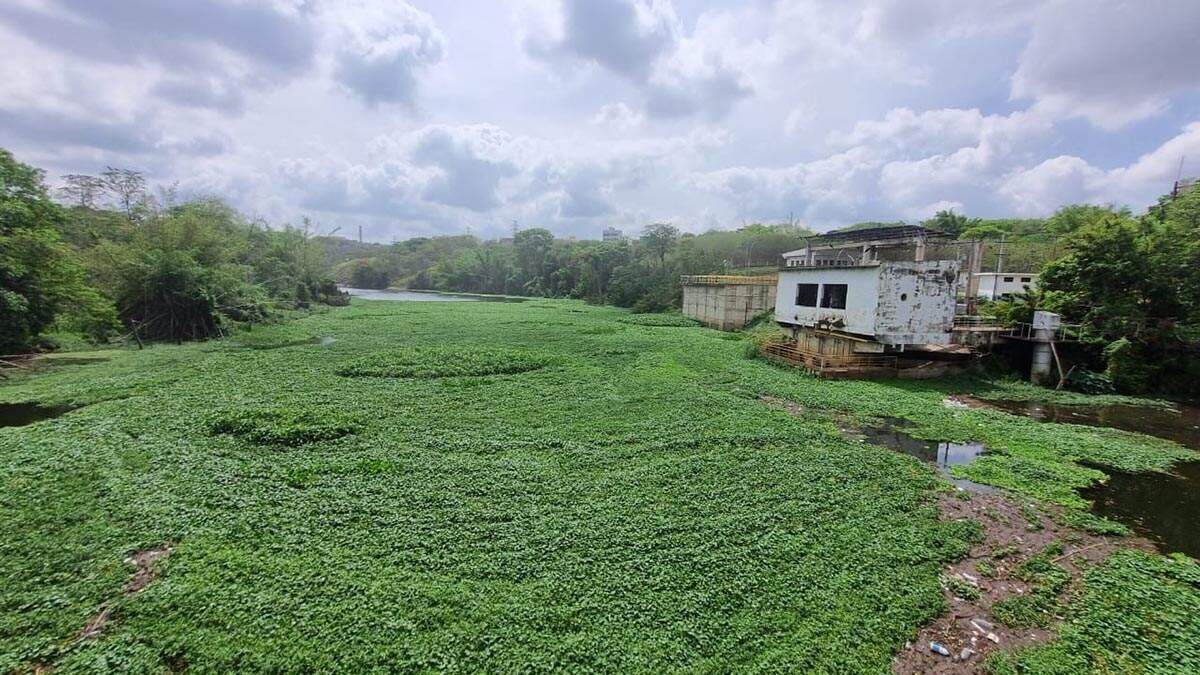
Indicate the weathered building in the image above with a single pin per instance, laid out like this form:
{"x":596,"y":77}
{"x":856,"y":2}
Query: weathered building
{"x":727,"y":302}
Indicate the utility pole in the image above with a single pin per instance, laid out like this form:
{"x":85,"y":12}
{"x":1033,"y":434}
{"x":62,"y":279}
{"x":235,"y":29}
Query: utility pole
{"x":999,"y":267}
{"x":360,"y":234}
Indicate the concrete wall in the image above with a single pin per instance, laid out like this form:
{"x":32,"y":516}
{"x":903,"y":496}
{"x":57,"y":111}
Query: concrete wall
{"x":727,"y":306}
{"x":916,"y":302}
{"x":861,"y":296}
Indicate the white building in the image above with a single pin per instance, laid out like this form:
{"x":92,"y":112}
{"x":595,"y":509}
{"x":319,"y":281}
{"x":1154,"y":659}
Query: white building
{"x":998,"y":285}
{"x":612,"y":234}
{"x":872,"y":290}
{"x":891,"y":303}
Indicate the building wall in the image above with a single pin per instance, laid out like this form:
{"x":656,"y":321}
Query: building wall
{"x":984,"y":283}
{"x":861,"y":298}
{"x":727,"y":306}
{"x":916,"y":302}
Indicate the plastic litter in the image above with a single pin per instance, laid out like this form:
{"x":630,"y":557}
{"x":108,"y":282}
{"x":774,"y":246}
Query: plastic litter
{"x":938,"y":648}
{"x":993,"y":637}
{"x":965,"y":653}
{"x":982,"y":624}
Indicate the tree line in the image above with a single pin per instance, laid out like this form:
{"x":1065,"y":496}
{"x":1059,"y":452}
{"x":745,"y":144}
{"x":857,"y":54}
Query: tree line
{"x":113,"y":259}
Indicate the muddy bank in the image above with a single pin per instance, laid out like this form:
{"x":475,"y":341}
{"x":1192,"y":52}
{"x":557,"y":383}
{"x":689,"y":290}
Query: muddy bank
{"x":1014,"y":532}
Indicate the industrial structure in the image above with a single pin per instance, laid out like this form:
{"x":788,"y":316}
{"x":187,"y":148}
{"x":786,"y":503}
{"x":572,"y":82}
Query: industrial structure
{"x":612,"y":234}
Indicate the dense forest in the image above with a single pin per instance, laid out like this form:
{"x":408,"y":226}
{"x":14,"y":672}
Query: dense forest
{"x":101,"y":257}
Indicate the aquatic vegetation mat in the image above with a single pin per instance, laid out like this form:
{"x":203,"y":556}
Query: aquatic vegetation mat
{"x":659,"y":320}
{"x":289,"y":427}
{"x":630,"y":507}
{"x":436,"y":362}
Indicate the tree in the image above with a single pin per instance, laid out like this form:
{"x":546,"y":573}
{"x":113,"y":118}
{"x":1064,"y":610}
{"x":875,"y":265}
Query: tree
{"x":951,"y":223}
{"x":41,"y":279}
{"x":81,"y":190}
{"x":127,"y":187}
{"x":532,"y":247}
{"x":658,"y":239}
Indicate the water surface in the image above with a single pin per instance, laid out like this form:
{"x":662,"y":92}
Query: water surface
{"x":1181,"y":424}
{"x":20,"y":414}
{"x":941,"y":454}
{"x":1164,"y":508}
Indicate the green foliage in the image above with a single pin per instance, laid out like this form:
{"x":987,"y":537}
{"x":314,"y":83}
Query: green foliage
{"x":961,"y":589}
{"x":41,"y":279}
{"x":660,"y":320}
{"x":289,"y":427}
{"x":1137,"y":613}
{"x":1040,"y":605}
{"x":433,"y":362}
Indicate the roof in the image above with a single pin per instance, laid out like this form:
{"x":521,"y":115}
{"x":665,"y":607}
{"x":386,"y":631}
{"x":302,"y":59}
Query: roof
{"x":894,"y":233}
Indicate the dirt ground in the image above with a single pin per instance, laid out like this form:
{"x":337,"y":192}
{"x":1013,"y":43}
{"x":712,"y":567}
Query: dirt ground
{"x":1009,"y":529}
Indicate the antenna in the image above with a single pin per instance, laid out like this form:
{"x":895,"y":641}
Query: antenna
{"x":360,"y":234}
{"x":1179,"y":173}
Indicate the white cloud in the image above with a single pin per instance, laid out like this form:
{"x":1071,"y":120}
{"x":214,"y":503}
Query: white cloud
{"x":618,"y":116}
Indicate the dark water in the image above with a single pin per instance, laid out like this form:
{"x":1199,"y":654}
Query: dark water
{"x":20,"y":414}
{"x":941,"y":454}
{"x":1164,"y":508}
{"x":1181,"y":425}
{"x":423,"y":296}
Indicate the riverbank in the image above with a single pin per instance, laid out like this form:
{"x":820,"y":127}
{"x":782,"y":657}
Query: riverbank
{"x":489,"y":486}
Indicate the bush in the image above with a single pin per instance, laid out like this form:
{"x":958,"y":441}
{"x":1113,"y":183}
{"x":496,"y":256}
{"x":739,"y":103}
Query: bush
{"x":287,"y":427}
{"x":659,"y":320}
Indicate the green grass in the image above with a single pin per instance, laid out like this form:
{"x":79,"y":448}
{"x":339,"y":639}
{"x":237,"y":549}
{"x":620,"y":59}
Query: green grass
{"x":627,"y":505}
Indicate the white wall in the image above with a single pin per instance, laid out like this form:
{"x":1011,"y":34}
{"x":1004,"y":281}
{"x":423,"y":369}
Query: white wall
{"x":862,"y":295}
{"x":985,"y":281}
{"x":916,"y":302}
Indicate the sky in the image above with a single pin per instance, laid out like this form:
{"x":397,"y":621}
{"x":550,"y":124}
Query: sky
{"x":423,"y":118}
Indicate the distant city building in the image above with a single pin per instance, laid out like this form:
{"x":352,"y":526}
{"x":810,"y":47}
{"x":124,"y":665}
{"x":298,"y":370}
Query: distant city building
{"x":613,"y":234}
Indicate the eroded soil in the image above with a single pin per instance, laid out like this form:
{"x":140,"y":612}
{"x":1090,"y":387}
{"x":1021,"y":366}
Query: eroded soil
{"x":1014,"y":531}
{"x":145,"y":562}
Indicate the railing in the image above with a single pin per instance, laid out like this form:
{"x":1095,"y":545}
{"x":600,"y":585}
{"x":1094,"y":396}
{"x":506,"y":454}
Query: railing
{"x":791,"y":353}
{"x":969,"y":321}
{"x":726,"y":279}
{"x":1066,"y":332}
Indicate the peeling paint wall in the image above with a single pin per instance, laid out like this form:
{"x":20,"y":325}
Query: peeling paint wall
{"x":893,"y":302}
{"x":916,"y":302}
{"x":727,"y":306}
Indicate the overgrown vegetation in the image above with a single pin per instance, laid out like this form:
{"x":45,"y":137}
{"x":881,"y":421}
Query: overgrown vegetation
{"x":432,"y":362}
{"x":1138,"y":613}
{"x":635,"y":507}
{"x":118,"y":259}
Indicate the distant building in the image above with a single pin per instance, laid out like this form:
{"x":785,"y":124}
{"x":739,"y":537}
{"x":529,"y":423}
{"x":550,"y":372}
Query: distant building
{"x":613,"y":234}
{"x":999,"y":285}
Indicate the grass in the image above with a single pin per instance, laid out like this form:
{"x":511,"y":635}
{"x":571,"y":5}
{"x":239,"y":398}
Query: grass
{"x":626,"y":505}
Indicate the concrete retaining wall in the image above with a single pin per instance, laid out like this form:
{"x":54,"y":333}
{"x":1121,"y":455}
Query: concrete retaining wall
{"x":727,"y":306}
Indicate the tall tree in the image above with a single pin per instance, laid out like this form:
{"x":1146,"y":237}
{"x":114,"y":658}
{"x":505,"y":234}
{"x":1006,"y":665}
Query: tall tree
{"x":659,"y":238}
{"x":128,"y":188}
{"x":81,"y":190}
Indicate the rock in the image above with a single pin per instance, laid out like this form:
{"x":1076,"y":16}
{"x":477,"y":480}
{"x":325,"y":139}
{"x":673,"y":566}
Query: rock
{"x":965,"y":653}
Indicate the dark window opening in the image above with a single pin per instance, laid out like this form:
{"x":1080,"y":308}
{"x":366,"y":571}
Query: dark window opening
{"x":806,"y":295}
{"x":833,"y":296}
{"x":1008,"y":280}
{"x":1026,"y":280}
{"x":903,"y":297}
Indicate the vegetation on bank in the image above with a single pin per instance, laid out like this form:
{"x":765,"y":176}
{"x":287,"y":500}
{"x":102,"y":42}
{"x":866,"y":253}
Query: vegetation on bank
{"x":118,"y":260}
{"x":629,"y":505}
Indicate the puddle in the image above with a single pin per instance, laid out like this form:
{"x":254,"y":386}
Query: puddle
{"x":1164,"y":508}
{"x":941,"y":454}
{"x":1181,"y":425}
{"x":20,"y":414}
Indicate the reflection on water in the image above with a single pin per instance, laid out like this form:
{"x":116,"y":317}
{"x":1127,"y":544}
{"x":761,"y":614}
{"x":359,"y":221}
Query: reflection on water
{"x":20,"y":414}
{"x":941,"y":454}
{"x":1181,"y":424}
{"x":1162,"y":507}
{"x":423,"y":296}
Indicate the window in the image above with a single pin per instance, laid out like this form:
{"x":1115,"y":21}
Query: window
{"x":1026,"y":280}
{"x":1008,"y":280}
{"x":806,"y":295}
{"x":833,"y":296}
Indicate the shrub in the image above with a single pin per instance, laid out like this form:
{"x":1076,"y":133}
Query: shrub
{"x":659,"y":320}
{"x":287,"y":427}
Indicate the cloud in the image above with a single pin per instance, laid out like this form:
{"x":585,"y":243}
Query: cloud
{"x":1109,"y":61}
{"x":643,"y":42}
{"x":618,"y":116}
{"x":379,"y":47}
{"x":64,"y":129}
{"x":199,"y":92}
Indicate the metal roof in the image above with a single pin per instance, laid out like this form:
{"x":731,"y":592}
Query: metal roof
{"x":879,"y":233}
